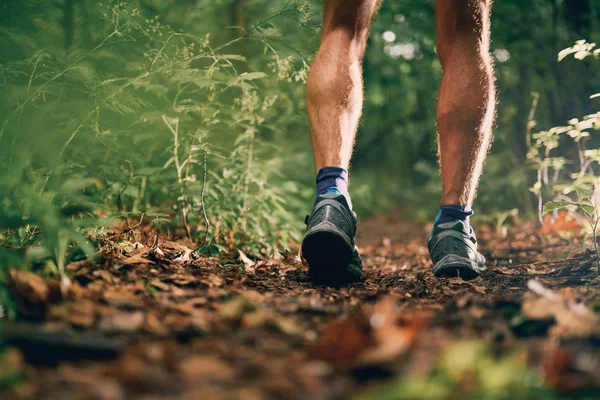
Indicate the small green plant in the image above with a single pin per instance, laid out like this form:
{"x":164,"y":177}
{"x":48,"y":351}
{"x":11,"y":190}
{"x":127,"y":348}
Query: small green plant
{"x":571,"y":185}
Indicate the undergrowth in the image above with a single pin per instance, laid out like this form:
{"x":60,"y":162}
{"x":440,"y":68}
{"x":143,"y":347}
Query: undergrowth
{"x":568,"y":182}
{"x":143,"y":122}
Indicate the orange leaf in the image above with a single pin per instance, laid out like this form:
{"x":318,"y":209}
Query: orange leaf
{"x":564,"y":222}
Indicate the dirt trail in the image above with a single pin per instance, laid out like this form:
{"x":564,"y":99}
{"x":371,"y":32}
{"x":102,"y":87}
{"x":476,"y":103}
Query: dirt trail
{"x":161,"y":324}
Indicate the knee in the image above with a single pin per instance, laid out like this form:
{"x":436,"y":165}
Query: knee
{"x":462,"y":26}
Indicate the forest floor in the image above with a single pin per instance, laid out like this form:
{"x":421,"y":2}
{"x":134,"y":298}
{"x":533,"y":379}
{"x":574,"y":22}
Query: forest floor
{"x":161,"y":322}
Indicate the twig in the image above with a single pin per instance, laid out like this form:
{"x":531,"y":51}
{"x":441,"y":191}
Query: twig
{"x":96,"y":130}
{"x":206,"y":221}
{"x":182,"y":184}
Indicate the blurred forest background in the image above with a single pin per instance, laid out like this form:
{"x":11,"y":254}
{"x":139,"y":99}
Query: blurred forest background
{"x":191,"y":115}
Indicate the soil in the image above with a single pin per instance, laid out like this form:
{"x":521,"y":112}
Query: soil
{"x":160,"y":322}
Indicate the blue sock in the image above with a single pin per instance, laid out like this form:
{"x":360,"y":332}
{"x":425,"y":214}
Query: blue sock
{"x":333,"y":180}
{"x":453,"y":213}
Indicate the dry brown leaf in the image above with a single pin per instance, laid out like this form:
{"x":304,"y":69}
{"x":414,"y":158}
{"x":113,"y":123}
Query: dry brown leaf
{"x":157,"y":283}
{"x":92,"y":383}
{"x":205,"y":368}
{"x":373,"y":339}
{"x":81,"y":314}
{"x":30,"y":286}
{"x":479,"y":289}
{"x":248,"y":263}
{"x":182,"y":279}
{"x":341,"y":341}
{"x":122,"y":298}
{"x":169,"y":246}
{"x":185,"y":256}
{"x":234,"y":309}
{"x":122,"y":322}
{"x":573,"y":318}
{"x":190,"y":307}
{"x":216,"y":280}
{"x":263,"y":318}
{"x":137,"y":258}
{"x":104,"y":275}
{"x":154,"y":325}
{"x":390,"y":338}
{"x":77,"y":265}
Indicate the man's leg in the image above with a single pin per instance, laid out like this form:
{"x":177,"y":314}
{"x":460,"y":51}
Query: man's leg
{"x":465,"y":111}
{"x":334,"y":98}
{"x":334,"y":88}
{"x":465,"y":115}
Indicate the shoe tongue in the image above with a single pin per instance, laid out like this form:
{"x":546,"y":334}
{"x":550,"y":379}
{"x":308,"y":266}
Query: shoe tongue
{"x":334,"y":196}
{"x":458,"y":226}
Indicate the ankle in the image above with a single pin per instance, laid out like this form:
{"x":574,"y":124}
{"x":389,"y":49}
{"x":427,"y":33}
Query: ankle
{"x":333,"y":180}
{"x":454,"y":213}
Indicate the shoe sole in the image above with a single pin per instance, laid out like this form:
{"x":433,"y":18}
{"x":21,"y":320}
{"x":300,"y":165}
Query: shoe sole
{"x":453,"y":266}
{"x":328,"y":252}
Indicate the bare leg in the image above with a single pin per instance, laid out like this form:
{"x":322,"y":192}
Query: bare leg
{"x":334,"y":98}
{"x":465,"y":111}
{"x":334,"y":88}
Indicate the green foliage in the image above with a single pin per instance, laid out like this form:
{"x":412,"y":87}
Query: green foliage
{"x":136,"y":118}
{"x":572,"y":185}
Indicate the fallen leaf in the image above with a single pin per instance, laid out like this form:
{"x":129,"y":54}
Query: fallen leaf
{"x":571,"y":369}
{"x":341,"y":341}
{"x":248,"y":263}
{"x":189,"y":307}
{"x":122,"y":298}
{"x":235,"y":308}
{"x":104,"y":275}
{"x":137,"y":258}
{"x":122,"y":322}
{"x":182,"y":279}
{"x":173,"y":247}
{"x":157,"y":283}
{"x":262,"y":318}
{"x":479,"y":289}
{"x":185,"y":256}
{"x":83,"y":314}
{"x":391,"y":339}
{"x":573,"y":318}
{"x":216,"y":280}
{"x":564,"y":222}
{"x":154,"y":325}
{"x":30,"y":286}
{"x":207,"y":367}
{"x":77,"y":265}
{"x":367,"y":339}
{"x":93,"y":384}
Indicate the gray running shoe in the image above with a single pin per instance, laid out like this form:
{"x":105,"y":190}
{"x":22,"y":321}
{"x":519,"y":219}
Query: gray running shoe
{"x":453,"y":250}
{"x":328,"y":245}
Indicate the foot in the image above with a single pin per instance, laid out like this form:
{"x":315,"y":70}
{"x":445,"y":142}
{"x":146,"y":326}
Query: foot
{"x":328,"y":245}
{"x":453,"y":250}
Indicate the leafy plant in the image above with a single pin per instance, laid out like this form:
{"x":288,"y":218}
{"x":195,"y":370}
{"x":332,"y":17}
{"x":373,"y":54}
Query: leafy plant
{"x":574,"y":186}
{"x":136,"y":118}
